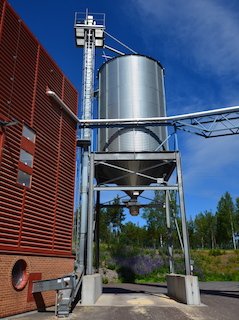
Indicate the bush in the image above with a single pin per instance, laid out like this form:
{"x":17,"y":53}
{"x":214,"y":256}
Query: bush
{"x":105,"y":280}
{"x":126,"y":274}
{"x":215,"y":252}
{"x":222,"y":276}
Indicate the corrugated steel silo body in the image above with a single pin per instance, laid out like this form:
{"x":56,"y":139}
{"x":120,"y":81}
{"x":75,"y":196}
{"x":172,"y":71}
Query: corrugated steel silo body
{"x":131,"y":86}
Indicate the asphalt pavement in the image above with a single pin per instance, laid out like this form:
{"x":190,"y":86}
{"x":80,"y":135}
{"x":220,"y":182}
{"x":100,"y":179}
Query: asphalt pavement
{"x":219,"y":301}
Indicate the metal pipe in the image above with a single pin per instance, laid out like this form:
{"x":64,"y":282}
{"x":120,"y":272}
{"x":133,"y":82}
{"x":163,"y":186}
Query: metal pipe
{"x":169,"y":232}
{"x":163,"y":119}
{"x":84,"y":201}
{"x":55,"y":97}
{"x":114,"y":50}
{"x":120,"y":42}
{"x":90,"y":217}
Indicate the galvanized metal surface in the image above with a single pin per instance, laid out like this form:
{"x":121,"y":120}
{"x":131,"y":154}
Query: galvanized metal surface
{"x":54,"y":284}
{"x":131,"y":86}
{"x":208,"y":124}
{"x":133,"y":169}
{"x":66,"y":288}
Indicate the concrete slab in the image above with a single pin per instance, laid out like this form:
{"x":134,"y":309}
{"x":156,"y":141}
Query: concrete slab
{"x":149,"y":301}
{"x":135,"y":299}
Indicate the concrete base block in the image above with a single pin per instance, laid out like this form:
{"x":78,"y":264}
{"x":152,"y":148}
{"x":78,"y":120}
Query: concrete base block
{"x":184,"y":288}
{"x":91,"y":289}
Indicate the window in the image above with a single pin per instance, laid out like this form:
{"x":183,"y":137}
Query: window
{"x":28,"y":133}
{"x":25,"y":165}
{"x":19,"y":275}
{"x":24,"y":178}
{"x":26,"y":158}
{"x":2,"y":119}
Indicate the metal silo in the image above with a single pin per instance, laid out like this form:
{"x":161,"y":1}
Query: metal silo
{"x":131,"y":86}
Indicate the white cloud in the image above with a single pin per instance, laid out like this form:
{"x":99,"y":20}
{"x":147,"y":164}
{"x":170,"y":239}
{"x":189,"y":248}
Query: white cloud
{"x":204,"y":32}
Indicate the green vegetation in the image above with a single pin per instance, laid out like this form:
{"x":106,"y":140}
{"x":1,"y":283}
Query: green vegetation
{"x":216,"y":265}
{"x":137,"y":265}
{"x":130,"y":253}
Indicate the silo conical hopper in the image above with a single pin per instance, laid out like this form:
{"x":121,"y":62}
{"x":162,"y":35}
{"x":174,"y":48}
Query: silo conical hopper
{"x":131,"y":86}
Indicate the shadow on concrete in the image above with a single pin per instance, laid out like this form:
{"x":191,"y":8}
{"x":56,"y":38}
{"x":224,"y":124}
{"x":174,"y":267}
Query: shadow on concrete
{"x":127,"y":288}
{"x":155,"y":285}
{"x":228,"y":294}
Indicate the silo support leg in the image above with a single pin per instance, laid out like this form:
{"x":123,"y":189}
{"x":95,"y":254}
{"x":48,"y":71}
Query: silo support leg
{"x":97,"y":232}
{"x":90,"y":217}
{"x":183,"y":215}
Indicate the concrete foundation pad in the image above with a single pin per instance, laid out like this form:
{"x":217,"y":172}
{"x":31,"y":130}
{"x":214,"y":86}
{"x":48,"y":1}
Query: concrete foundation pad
{"x":135,"y":299}
{"x":91,"y":289}
{"x":184,"y":288}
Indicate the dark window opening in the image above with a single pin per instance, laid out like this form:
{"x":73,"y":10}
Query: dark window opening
{"x":28,"y":133}
{"x":19,"y":276}
{"x":26,"y":158}
{"x":24,"y":178}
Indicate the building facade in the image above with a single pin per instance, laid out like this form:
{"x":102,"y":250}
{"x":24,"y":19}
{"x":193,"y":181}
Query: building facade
{"x":37,"y":166}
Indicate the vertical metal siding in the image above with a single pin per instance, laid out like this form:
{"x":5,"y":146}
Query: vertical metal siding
{"x":36,"y":219}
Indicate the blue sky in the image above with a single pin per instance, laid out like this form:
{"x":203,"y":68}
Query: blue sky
{"x":198,"y":45}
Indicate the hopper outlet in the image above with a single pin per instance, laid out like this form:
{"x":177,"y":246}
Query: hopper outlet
{"x":133,"y":205}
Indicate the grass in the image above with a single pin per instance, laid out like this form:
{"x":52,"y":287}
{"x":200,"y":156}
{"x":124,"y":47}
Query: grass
{"x":216,"y":265}
{"x":149,"y":265}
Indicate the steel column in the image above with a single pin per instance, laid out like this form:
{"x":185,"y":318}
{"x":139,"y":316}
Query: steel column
{"x":169,"y":231}
{"x":183,"y":215}
{"x":97,"y":232}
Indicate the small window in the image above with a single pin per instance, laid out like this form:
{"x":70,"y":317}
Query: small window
{"x":24,"y":178}
{"x":26,"y":158}
{"x":28,"y":133}
{"x":19,"y":275}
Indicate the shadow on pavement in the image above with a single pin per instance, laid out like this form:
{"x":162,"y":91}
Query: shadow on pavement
{"x":228,"y":294}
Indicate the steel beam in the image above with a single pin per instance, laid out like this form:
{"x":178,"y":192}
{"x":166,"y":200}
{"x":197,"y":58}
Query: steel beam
{"x":166,"y":155}
{"x":136,"y":188}
{"x":183,"y":216}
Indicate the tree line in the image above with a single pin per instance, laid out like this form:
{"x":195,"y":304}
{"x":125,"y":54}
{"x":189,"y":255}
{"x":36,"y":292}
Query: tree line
{"x":206,"y":230}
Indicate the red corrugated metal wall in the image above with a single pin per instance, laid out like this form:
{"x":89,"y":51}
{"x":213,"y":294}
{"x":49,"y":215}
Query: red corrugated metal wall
{"x":36,"y":219}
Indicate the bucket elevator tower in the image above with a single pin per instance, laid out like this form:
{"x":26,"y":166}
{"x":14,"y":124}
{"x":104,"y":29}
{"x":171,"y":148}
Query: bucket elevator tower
{"x":89,"y":34}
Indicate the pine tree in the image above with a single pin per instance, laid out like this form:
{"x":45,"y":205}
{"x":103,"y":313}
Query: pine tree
{"x":156,"y":220}
{"x":111,"y":221}
{"x":225,"y":216}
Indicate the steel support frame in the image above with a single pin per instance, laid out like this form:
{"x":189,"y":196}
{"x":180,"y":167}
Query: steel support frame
{"x":104,"y":157}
